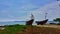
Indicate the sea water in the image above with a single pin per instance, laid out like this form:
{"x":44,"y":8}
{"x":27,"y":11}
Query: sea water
{"x":12,"y":23}
{"x":18,"y":22}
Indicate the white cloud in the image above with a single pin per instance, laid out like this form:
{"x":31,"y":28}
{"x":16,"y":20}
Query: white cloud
{"x":53,"y":10}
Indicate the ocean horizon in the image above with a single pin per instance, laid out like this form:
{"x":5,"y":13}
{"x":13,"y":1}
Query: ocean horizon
{"x":18,"y":22}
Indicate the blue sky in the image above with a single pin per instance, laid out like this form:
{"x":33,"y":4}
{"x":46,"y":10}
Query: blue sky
{"x":21,"y":9}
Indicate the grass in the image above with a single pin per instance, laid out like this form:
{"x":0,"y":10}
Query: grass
{"x":12,"y":29}
{"x":24,"y":29}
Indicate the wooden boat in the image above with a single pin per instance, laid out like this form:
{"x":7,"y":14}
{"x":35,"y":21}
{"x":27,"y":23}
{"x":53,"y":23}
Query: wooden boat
{"x":42,"y":22}
{"x":30,"y":22}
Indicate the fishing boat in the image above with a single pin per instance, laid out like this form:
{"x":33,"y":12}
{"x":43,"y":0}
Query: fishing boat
{"x":42,"y":22}
{"x":30,"y":22}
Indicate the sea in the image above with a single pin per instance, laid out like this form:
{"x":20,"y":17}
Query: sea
{"x":12,"y":23}
{"x":17,"y":22}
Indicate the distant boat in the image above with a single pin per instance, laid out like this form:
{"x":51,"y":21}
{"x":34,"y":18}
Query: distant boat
{"x":42,"y":22}
{"x":30,"y":22}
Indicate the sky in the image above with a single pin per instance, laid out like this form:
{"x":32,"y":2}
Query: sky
{"x":22,"y":9}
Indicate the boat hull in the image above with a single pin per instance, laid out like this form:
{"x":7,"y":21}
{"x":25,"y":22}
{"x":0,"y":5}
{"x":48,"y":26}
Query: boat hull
{"x":30,"y":22}
{"x":42,"y":22}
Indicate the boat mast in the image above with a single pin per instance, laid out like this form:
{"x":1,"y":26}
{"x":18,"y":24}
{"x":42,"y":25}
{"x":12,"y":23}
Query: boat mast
{"x":46,"y":15}
{"x":32,"y":16}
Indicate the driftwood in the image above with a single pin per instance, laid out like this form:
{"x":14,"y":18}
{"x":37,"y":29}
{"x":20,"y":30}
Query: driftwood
{"x":42,"y":22}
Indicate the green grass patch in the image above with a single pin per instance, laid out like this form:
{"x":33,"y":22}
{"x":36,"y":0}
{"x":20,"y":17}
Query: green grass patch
{"x":12,"y":29}
{"x":25,"y":29}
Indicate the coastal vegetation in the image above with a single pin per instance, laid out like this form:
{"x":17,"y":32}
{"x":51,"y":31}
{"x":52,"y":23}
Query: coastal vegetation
{"x":57,"y":20}
{"x":27,"y":29}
